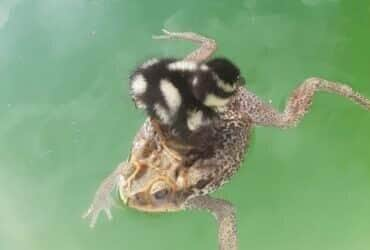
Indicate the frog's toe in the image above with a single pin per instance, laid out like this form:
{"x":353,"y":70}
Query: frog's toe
{"x":92,"y":215}
{"x":108,"y":213}
{"x":96,"y":208}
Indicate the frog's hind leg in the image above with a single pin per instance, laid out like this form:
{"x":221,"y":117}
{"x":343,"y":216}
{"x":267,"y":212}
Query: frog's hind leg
{"x":301,"y":98}
{"x":103,"y":200}
{"x":224,"y":213}
{"x":207,"y":46}
{"x":298,"y":103}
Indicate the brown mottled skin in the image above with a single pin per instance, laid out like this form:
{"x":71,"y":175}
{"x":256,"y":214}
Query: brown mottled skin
{"x":164,"y":174}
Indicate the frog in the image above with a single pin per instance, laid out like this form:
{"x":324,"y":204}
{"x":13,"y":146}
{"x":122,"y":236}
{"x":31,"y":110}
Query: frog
{"x":164,"y":173}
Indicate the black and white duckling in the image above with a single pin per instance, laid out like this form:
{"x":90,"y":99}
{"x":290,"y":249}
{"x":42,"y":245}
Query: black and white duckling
{"x":183,"y":94}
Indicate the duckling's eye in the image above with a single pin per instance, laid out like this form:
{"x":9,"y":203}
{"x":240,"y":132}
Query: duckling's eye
{"x":161,"y":194}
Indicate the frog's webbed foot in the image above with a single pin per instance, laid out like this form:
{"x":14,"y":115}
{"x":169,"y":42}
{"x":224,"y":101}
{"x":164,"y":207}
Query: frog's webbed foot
{"x":103,"y":200}
{"x":207,"y":46}
{"x":224,"y":213}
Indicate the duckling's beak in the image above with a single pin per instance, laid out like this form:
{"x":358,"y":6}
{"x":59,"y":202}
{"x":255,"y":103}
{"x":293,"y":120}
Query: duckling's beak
{"x":241,"y":80}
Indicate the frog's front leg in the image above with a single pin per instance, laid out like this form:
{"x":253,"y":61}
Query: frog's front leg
{"x":224,"y":213}
{"x":298,"y":103}
{"x":207,"y":46}
{"x":103,"y":200}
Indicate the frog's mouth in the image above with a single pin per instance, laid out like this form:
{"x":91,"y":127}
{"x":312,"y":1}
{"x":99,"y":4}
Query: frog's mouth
{"x":121,"y":193}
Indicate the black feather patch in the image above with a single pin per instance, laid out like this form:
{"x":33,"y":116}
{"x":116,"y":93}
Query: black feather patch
{"x":225,"y":70}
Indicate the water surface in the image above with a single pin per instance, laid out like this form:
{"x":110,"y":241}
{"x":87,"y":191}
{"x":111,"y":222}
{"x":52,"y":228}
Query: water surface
{"x":66,"y":120}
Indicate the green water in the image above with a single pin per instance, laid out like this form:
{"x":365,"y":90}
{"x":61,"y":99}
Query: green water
{"x":66,"y":120}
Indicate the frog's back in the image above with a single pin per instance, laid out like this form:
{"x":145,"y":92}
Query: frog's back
{"x":217,"y":153}
{"x":230,"y":144}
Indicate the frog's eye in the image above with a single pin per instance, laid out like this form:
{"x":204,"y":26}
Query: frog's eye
{"x":161,"y":194}
{"x":160,"y":190}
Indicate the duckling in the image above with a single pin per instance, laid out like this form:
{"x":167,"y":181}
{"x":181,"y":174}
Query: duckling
{"x":182,"y":94}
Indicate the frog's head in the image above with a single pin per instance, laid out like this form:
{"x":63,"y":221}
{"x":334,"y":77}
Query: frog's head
{"x":156,"y":180}
{"x":149,"y":189}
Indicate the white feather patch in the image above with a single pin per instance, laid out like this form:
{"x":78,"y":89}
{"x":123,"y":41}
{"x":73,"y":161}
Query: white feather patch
{"x":222,"y":85}
{"x":171,"y":95}
{"x":149,"y":63}
{"x":162,"y":113}
{"x":204,"y":67}
{"x":225,"y":87}
{"x":140,"y":104}
{"x":212,"y":100}
{"x":195,"y":81}
{"x":183,"y":66}
{"x":195,"y":120}
{"x":139,"y":85}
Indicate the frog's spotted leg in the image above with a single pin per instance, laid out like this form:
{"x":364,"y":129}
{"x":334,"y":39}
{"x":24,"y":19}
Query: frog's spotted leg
{"x":207,"y":46}
{"x":103,"y":200}
{"x":224,"y":213}
{"x":298,"y":103}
